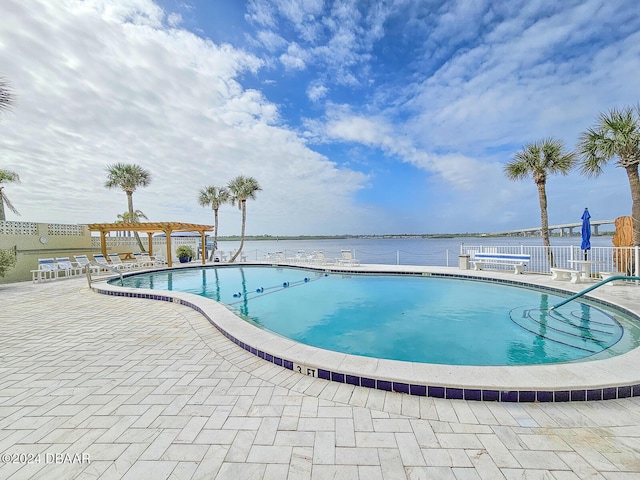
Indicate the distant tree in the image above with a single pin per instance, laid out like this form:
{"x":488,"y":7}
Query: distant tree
{"x":538,"y":160}
{"x":7,"y":261}
{"x":7,"y":176}
{"x":214,"y":197}
{"x":242,"y":188}
{"x":128,"y":177}
{"x":617,"y":134}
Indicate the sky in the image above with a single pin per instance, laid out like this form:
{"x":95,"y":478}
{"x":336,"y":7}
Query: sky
{"x":355,"y":117}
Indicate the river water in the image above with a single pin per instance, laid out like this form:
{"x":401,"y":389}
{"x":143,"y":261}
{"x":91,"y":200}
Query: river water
{"x":396,"y":251}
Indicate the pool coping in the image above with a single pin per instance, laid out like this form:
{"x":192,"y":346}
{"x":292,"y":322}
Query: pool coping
{"x":611,"y":378}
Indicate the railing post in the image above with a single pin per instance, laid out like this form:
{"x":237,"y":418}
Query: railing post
{"x":397,"y":257}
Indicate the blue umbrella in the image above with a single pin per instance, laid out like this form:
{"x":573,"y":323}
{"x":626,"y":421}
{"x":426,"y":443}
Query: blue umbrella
{"x":586,"y":232}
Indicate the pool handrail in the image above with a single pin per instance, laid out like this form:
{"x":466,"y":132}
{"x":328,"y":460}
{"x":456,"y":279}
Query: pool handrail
{"x":117,"y":271}
{"x":593,"y":287}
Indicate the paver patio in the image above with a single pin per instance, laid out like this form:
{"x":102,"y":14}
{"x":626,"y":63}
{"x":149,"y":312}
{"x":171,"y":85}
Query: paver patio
{"x":93,"y":386}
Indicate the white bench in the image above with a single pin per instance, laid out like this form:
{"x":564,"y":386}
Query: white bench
{"x":565,"y":274}
{"x":516,"y":260}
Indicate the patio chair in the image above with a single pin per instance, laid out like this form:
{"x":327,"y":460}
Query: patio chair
{"x":82,"y":261}
{"x":347,"y":258}
{"x":117,"y":262}
{"x":47,"y":270}
{"x":318,"y":258}
{"x":65,"y":265}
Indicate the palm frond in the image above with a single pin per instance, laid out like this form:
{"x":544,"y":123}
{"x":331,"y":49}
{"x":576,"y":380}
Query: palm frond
{"x":9,"y":176}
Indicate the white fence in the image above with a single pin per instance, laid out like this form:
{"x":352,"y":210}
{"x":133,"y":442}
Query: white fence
{"x":605,"y":259}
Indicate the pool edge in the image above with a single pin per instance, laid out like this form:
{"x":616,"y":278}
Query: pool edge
{"x":386,"y":375}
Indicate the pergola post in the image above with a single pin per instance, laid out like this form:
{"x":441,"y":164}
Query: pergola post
{"x":204,"y":246}
{"x":168,"y":236}
{"x":103,"y":243}
{"x":150,"y":237}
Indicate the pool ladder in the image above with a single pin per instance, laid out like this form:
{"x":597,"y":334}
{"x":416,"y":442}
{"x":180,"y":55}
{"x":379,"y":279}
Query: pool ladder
{"x":593,"y":287}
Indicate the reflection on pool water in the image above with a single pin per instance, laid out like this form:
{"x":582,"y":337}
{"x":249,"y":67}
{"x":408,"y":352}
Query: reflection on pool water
{"x":410,"y":318}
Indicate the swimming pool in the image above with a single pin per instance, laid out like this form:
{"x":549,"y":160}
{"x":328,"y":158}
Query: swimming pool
{"x":424,"y":319}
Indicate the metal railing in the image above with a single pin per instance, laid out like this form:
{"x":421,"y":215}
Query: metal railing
{"x":115,"y":270}
{"x":593,"y":287}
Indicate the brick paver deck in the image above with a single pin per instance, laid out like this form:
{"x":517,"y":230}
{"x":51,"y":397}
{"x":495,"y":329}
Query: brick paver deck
{"x":106,"y":388}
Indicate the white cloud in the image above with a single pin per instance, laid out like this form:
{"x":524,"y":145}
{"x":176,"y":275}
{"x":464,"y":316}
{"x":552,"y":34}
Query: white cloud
{"x":93,"y":88}
{"x":174,"y":19}
{"x":294,"y":58}
{"x":317,"y":91}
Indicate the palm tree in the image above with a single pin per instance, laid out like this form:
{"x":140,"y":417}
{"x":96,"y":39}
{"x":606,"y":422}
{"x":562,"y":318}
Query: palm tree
{"x":6,"y":100}
{"x":538,"y":160}
{"x":617,"y":134}
{"x":126,"y":217}
{"x":242,"y":188}
{"x":7,"y":176}
{"x":128,"y":178}
{"x":214,"y":197}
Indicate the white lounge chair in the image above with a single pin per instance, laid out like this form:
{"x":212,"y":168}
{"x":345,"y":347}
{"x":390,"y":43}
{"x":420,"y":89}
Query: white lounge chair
{"x":47,"y":270}
{"x":143,"y":260}
{"x":117,"y":262}
{"x":102,"y":262}
{"x":65,"y":265}
{"x":82,"y":261}
{"x":159,"y":260}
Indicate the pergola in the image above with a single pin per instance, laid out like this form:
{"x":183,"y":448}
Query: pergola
{"x":150,"y":228}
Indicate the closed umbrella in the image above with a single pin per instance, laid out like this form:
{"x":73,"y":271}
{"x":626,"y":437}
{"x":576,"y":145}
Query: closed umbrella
{"x":586,"y":232}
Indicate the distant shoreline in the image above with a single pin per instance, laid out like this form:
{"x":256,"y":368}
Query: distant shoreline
{"x":232,"y":238}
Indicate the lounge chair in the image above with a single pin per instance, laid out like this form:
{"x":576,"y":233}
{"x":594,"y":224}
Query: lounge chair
{"x":65,"y":265}
{"x":143,"y":260}
{"x":159,"y":260}
{"x":117,"y":262}
{"x":47,"y":270}
{"x":102,"y":262}
{"x":82,"y":261}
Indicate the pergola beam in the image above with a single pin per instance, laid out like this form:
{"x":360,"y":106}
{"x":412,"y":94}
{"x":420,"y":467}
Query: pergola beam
{"x":150,"y":228}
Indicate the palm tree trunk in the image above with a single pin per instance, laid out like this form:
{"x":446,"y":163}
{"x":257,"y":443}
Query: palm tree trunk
{"x":2,"y":215}
{"x":244,"y":220}
{"x":544,"y":222}
{"x":215,"y":235}
{"x":131,"y":217}
{"x":634,"y":184}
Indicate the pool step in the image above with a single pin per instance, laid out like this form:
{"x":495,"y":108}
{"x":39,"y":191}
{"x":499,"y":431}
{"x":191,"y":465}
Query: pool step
{"x":582,"y":328}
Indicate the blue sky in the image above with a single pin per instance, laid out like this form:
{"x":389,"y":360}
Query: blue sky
{"x":355,"y":117}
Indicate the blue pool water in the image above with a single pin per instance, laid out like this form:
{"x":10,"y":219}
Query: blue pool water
{"x":417,"y":319}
